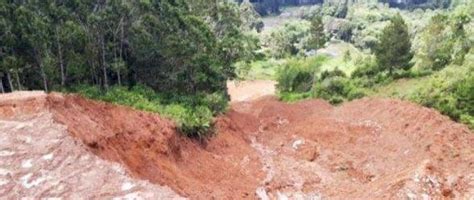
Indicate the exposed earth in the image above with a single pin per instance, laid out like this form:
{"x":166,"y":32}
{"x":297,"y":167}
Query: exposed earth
{"x":55,"y":145}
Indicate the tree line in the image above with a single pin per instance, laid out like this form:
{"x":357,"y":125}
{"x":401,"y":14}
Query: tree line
{"x":173,"y":46}
{"x":266,"y":7}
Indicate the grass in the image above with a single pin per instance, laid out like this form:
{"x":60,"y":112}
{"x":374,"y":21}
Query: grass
{"x":401,"y":88}
{"x":260,"y":69}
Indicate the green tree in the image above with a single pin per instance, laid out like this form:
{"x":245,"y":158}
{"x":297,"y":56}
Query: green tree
{"x":393,"y":52}
{"x":318,"y":36}
{"x":436,"y":46}
{"x":34,"y":27}
{"x":251,"y":20}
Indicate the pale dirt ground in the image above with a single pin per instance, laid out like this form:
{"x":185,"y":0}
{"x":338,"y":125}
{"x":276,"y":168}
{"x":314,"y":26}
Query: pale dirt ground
{"x":250,"y":90}
{"x":39,"y":159}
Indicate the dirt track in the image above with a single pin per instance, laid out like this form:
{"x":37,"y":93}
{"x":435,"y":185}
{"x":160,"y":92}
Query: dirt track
{"x":366,"y":149}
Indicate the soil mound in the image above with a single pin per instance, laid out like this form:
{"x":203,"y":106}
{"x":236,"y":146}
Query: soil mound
{"x":365,"y":149}
{"x":369,"y":149}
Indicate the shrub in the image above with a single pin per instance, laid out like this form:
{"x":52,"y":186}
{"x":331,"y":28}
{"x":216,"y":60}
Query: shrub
{"x":398,"y":74}
{"x":196,"y":122}
{"x":217,"y":102}
{"x":336,"y":89}
{"x":298,"y":75}
{"x":450,"y":91}
{"x":366,"y":68}
{"x":91,"y":92}
{"x":329,"y":74}
{"x":469,"y":120}
{"x":464,"y":93}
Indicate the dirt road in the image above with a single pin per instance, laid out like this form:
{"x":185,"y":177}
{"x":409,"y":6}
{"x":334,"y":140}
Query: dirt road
{"x":61,"y":146}
{"x":250,"y":90}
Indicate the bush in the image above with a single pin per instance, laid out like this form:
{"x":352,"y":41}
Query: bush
{"x":217,"y":102}
{"x":334,"y":73}
{"x":464,"y":93}
{"x":298,"y":75}
{"x":91,"y":92}
{"x":366,"y":68}
{"x":197,"y":122}
{"x":337,"y":88}
{"x":450,"y":91}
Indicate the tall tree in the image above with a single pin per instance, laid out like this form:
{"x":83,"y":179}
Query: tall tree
{"x":394,"y":49}
{"x":34,"y":27}
{"x":250,"y":18}
{"x":318,"y":36}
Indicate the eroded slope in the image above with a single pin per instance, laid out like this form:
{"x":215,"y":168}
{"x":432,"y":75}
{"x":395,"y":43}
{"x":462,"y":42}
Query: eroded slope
{"x":365,"y":149}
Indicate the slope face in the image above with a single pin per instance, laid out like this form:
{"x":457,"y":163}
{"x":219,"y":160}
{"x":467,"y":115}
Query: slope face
{"x":224,"y":168}
{"x":365,"y":149}
{"x":39,"y":159}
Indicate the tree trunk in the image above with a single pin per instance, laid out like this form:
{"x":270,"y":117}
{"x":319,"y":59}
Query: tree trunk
{"x":120,"y":52}
{"x":43,"y":73}
{"x":10,"y":82}
{"x":17,"y":76}
{"x":1,"y":86}
{"x":45,"y":80}
{"x":61,"y":61}
{"x":95,"y":79}
{"x":104,"y":67}
{"x":119,"y":78}
{"x":121,"y":41}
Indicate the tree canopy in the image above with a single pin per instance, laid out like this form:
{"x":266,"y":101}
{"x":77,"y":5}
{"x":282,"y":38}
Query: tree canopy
{"x":169,"y":45}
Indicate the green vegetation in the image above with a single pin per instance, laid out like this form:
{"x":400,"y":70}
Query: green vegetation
{"x":424,"y":56}
{"x":393,"y":52}
{"x":298,"y":75}
{"x":317,"y":37}
{"x":185,"y":48}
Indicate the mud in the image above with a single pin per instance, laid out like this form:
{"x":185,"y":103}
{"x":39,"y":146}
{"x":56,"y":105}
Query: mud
{"x":264,"y":149}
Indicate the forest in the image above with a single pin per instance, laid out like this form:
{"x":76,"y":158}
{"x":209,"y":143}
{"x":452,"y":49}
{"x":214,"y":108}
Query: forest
{"x":174,"y":57}
{"x":183,"y":50}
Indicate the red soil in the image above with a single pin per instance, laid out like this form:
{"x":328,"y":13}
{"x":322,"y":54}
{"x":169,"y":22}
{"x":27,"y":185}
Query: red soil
{"x":151,"y":149}
{"x":365,"y":149}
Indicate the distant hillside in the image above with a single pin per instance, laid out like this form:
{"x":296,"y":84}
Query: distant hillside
{"x":265,"y":7}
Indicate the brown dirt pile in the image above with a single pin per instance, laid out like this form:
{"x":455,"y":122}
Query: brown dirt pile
{"x":365,"y":149}
{"x":369,"y":149}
